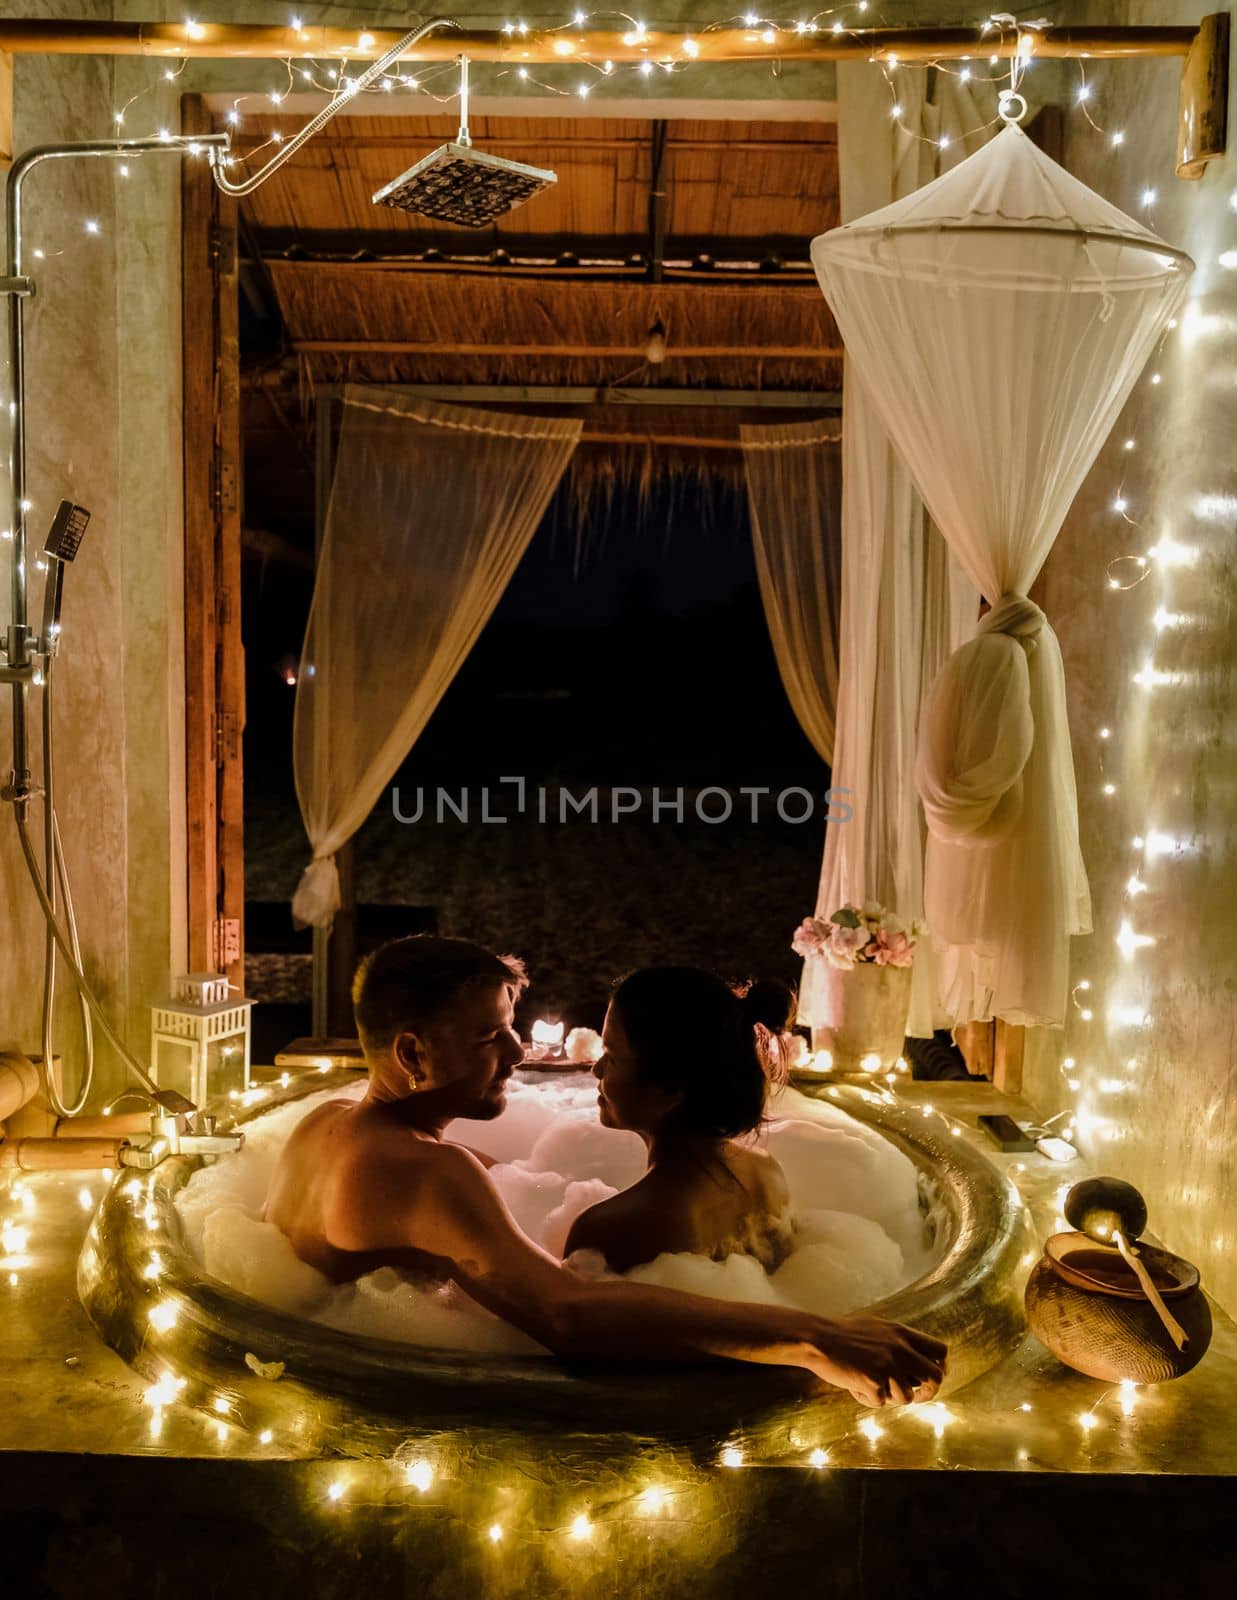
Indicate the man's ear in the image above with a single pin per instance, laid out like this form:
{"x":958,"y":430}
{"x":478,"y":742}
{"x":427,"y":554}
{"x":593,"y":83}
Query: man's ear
{"x":410,"y":1055}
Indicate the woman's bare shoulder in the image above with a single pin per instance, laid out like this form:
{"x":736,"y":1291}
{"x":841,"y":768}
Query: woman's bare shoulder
{"x":631,"y":1227}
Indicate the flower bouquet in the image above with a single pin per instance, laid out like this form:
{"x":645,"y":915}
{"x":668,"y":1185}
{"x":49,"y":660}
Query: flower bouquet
{"x":866,"y":952}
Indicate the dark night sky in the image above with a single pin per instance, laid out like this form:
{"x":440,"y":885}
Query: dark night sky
{"x":632,"y":649}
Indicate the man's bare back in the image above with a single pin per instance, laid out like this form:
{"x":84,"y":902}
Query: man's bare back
{"x":360,"y":1185}
{"x":325,"y":1181}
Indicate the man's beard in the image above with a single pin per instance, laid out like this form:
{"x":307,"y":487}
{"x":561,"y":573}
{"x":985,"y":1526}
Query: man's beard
{"x":491,"y":1105}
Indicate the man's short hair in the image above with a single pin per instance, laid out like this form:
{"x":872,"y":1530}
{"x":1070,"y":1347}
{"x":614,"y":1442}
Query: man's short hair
{"x":406,"y":985}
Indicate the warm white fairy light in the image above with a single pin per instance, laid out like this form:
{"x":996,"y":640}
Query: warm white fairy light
{"x":265,"y":1436}
{"x":335,"y":1491}
{"x":494,"y":1532}
{"x":1118,"y":138}
{"x":85,"y":1199}
{"x":732,"y":1456}
{"x":420,"y":1476}
{"x":581,"y":1528}
{"x":818,"y":1458}
{"x":1129,"y":1397}
{"x":1088,"y":1421}
{"x":871,"y":1429}
{"x":690,"y":48}
{"x":653,"y":1500}
{"x":14,"y":1238}
{"x":1130,"y":942}
{"x":162,"y":1317}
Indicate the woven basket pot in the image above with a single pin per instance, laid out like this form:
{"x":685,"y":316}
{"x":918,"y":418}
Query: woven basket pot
{"x":869,"y":1006}
{"x":1086,"y":1306}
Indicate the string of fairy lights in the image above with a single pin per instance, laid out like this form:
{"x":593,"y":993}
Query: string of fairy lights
{"x":433,"y":1465}
{"x":422,"y":1473}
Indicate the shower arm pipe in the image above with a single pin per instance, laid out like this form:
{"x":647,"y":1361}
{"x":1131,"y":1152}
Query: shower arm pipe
{"x":17,"y":287}
{"x":329,"y":111}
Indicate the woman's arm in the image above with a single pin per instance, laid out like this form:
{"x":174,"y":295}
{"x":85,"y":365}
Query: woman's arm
{"x":454,"y":1211}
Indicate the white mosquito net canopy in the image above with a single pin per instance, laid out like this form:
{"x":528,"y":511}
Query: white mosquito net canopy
{"x":998,"y":318}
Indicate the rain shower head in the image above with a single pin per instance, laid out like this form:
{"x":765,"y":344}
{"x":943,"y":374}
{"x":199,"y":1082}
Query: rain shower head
{"x":459,"y":184}
{"x":68,"y":526}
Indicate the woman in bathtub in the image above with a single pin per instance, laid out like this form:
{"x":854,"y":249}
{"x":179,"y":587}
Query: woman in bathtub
{"x":687,"y":1066}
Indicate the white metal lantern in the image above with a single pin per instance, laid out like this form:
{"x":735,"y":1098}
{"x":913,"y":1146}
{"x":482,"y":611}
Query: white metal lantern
{"x":199,"y":1039}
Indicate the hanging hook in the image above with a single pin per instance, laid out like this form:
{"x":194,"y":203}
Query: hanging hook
{"x":1007,"y":101}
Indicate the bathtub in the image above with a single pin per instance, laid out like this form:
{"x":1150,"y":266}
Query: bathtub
{"x":226,"y":1354}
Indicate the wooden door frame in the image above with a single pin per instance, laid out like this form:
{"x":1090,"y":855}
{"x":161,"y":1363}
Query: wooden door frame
{"x":214,"y":654}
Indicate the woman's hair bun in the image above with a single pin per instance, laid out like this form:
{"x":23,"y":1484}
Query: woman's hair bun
{"x":771,"y":1003}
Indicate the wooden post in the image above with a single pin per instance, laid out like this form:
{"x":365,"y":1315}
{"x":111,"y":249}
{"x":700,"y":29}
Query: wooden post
{"x":199,"y":293}
{"x":1007,"y":1060}
{"x":230,"y":913}
{"x":1202,"y":127}
{"x":6,"y":109}
{"x":976,"y":1040}
{"x":214,"y":659}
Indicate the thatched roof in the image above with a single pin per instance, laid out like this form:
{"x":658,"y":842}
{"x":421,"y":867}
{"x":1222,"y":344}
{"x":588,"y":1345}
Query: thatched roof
{"x":373,"y":295}
{"x":494,"y":330}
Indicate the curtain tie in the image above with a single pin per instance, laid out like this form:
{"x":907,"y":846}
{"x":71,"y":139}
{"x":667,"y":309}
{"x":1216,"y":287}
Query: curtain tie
{"x":1016,"y":617}
{"x":317,"y":896}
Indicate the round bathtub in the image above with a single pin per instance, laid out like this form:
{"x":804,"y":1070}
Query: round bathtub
{"x":213,"y":1347}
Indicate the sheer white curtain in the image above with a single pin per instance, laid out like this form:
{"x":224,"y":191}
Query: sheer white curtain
{"x":999,"y":318}
{"x":431,"y":508}
{"x":794,"y":484}
{"x":905,"y":604}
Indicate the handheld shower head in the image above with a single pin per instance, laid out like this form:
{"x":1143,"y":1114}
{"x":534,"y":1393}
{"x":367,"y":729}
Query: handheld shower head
{"x":456,"y":183}
{"x":61,"y":545}
{"x":68,"y":526}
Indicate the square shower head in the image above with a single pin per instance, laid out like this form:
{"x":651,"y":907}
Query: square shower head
{"x":68,"y":526}
{"x":459,"y":184}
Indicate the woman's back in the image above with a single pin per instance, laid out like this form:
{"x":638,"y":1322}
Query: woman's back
{"x":711,"y":1198}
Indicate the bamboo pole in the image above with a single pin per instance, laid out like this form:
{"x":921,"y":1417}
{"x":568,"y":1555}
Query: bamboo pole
{"x":60,"y":1155}
{"x":563,"y":46}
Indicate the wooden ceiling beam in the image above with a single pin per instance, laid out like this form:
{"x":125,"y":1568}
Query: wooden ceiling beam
{"x":565,"y":352}
{"x":536,"y":47}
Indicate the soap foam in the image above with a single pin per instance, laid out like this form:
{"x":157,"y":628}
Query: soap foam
{"x":860,"y":1229}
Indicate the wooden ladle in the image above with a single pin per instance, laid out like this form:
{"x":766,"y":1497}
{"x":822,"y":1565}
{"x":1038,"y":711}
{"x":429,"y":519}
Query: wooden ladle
{"x":1113,"y":1212}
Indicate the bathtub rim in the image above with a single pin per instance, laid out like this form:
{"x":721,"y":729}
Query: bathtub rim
{"x":369,"y":1389}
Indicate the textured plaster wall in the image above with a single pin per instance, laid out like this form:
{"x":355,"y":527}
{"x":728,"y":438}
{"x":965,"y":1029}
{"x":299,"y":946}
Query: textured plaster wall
{"x":1156,"y":1101}
{"x":103,"y":418}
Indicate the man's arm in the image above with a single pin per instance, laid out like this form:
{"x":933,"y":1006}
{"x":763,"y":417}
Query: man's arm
{"x":451,"y":1209}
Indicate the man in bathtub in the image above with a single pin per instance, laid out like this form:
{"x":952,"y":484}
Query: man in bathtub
{"x":369,"y":1183}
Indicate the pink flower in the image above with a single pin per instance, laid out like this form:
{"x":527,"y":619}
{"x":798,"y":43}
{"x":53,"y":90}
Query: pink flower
{"x":809,"y":938}
{"x":893,"y":949}
{"x":845,"y":946}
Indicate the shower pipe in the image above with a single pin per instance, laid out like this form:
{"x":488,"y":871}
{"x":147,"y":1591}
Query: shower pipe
{"x":21,"y":646}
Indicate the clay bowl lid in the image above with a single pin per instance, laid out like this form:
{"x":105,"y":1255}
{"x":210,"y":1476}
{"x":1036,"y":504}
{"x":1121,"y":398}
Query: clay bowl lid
{"x":1100,"y":1269}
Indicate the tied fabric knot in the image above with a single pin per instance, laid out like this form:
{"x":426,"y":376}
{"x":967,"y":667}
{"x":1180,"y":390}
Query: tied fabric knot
{"x":977,"y":729}
{"x":317,"y":896}
{"x":1018,"y":618}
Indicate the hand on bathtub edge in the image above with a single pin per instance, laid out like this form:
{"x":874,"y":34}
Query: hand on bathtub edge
{"x":880,"y":1363}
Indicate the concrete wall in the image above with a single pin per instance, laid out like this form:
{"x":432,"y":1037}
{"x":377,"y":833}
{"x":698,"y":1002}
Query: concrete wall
{"x":103,"y":418}
{"x":1156,"y":1103}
